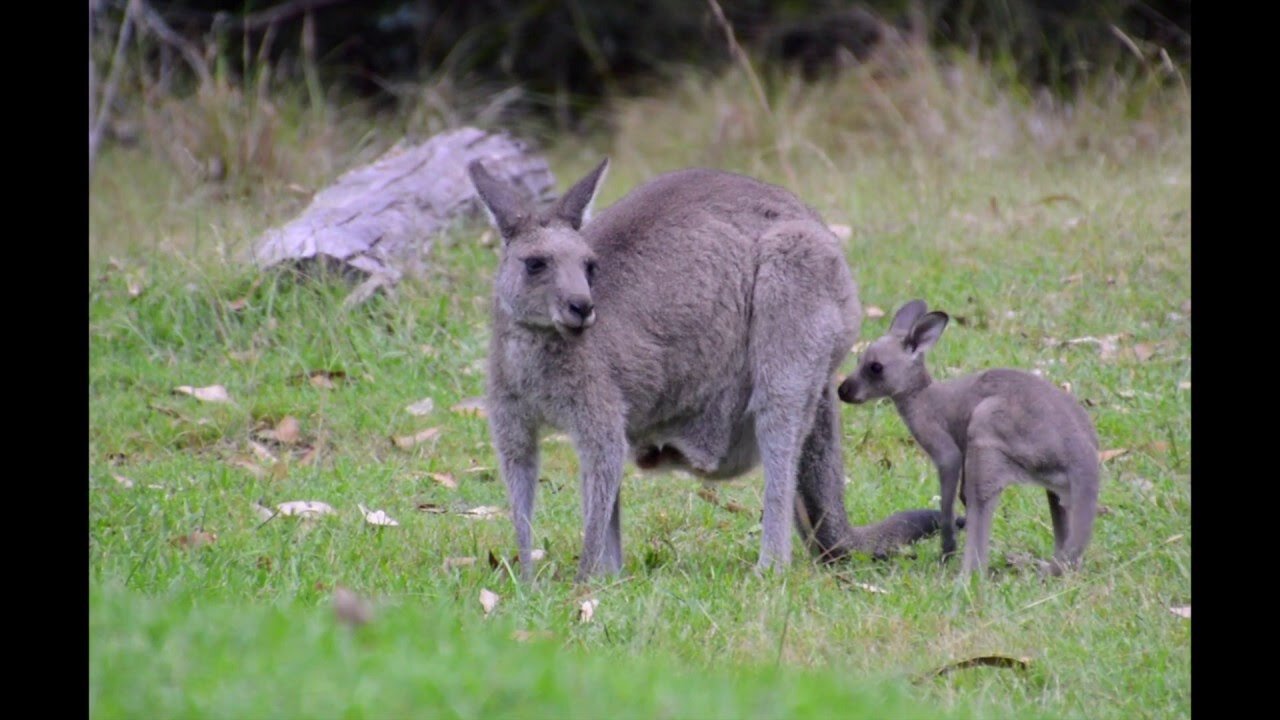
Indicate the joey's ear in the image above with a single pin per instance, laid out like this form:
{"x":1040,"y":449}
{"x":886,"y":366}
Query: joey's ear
{"x":507,"y":210}
{"x":926,"y":331}
{"x":906,"y":317}
{"x":574,"y":207}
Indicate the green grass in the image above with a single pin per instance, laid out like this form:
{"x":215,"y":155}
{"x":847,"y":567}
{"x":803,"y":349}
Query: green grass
{"x":242,"y":627}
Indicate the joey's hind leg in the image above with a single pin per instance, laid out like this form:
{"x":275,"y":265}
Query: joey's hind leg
{"x":987,"y":472}
{"x":615,"y":533}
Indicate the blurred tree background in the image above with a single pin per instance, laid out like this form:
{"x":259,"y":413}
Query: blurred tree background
{"x":565,"y":56}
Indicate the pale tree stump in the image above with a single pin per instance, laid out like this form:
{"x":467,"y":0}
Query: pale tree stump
{"x":378,"y":222}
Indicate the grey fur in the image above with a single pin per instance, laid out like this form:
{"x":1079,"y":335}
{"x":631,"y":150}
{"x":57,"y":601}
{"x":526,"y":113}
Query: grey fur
{"x":719,"y":309}
{"x":984,"y":432}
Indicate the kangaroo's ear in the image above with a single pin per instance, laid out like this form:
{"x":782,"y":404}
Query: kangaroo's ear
{"x":574,"y":207}
{"x":906,"y":317}
{"x":926,"y":331}
{"x":507,"y":210}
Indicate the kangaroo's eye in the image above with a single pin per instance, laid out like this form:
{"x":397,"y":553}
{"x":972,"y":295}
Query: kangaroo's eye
{"x":591,"y":271}
{"x":875,"y":368}
{"x":535,"y":265}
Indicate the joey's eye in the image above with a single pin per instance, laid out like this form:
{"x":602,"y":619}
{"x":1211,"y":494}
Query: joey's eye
{"x":591,"y":271}
{"x":875,"y":368}
{"x":535,"y":265}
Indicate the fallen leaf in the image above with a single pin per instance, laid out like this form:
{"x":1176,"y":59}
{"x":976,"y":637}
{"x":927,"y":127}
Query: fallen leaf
{"x":1019,"y":663}
{"x":309,"y":456}
{"x":477,"y":469}
{"x":404,"y":442}
{"x":471,"y":406}
{"x":124,"y":481}
{"x":844,"y":232}
{"x":1181,"y":611}
{"x":423,"y":407}
{"x":1173,"y":539}
{"x":1066,"y":386}
{"x":587,"y":610}
{"x":247,"y":464}
{"x":1141,"y":483}
{"x":288,"y":431}
{"x":238,"y":305}
{"x":1104,"y":510}
{"x":870,"y":588}
{"x":734,"y":507}
{"x":1061,"y":197}
{"x":537,"y":554}
{"x":264,"y":513}
{"x":430,"y":507}
{"x":859,"y":346}
{"x":376,"y":517}
{"x":1160,"y":446}
{"x":1184,"y":385}
{"x":1106,"y":455}
{"x":1108,"y":345}
{"x":527,"y":635}
{"x":1144,"y":351}
{"x":212,"y":393}
{"x":874,"y":312}
{"x":444,"y":479}
{"x":324,"y":379}
{"x":350,"y":608}
{"x":262,"y":452}
{"x":1072,"y":279}
{"x":559,"y":438}
{"x":134,"y":287}
{"x":305,"y":508}
{"x":488,"y":600}
{"x":194,"y":539}
{"x":484,"y":512}
{"x":454,"y":562}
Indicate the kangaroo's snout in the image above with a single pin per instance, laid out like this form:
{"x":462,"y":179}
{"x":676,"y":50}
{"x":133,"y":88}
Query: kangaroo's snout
{"x":848,"y":392}
{"x":579,"y":313}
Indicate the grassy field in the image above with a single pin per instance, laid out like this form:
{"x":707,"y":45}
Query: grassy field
{"x":1033,"y":227}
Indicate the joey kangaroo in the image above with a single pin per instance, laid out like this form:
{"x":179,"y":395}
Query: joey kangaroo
{"x":695,"y":324}
{"x":996,"y":428}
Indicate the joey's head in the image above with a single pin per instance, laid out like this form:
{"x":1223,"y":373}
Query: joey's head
{"x":893,"y":364}
{"x":547,"y":269}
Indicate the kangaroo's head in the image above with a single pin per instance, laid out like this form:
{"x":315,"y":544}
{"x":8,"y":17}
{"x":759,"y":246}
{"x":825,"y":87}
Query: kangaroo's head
{"x":893,"y":365}
{"x":547,"y":269}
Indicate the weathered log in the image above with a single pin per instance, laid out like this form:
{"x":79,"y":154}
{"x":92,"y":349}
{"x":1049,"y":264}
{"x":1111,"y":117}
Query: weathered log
{"x":378,"y":222}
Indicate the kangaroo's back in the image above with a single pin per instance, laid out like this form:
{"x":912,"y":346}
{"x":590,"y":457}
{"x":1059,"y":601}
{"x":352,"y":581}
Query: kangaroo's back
{"x":680,"y":260}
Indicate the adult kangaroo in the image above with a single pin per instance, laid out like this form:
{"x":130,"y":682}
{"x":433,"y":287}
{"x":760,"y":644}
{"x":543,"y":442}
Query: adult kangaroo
{"x":695,"y":324}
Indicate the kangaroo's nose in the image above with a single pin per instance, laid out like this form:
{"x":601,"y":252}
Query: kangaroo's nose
{"x":581,"y":308}
{"x":846,"y":390}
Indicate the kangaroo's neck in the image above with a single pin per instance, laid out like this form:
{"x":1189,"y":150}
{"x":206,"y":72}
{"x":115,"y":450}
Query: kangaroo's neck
{"x":921,"y":402}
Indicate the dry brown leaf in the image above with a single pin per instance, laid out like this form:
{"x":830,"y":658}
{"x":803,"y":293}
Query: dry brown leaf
{"x":471,"y":406}
{"x":198,"y":538}
{"x":305,"y":508}
{"x":444,"y":479}
{"x":124,"y":481}
{"x":238,"y":304}
{"x":212,"y":393}
{"x":1066,"y":386}
{"x":477,"y":469}
{"x":1181,"y":611}
{"x":247,"y":464}
{"x":484,"y":512}
{"x":350,"y":608}
{"x":1004,"y":661}
{"x":1144,"y":351}
{"x":430,"y":507}
{"x":423,"y":407}
{"x":528,"y":635}
{"x":874,"y":312}
{"x":324,"y":379}
{"x":1073,"y":279}
{"x":288,"y":430}
{"x":844,"y":232}
{"x":587,"y":610}
{"x":1184,"y":385}
{"x":1173,"y":539}
{"x":1107,"y":455}
{"x":405,"y":442}
{"x":488,"y":600}
{"x":309,"y":456}
{"x":377,"y":517}
{"x":264,"y":513}
{"x":1108,"y":345}
{"x":262,"y":452}
{"x":454,"y":562}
